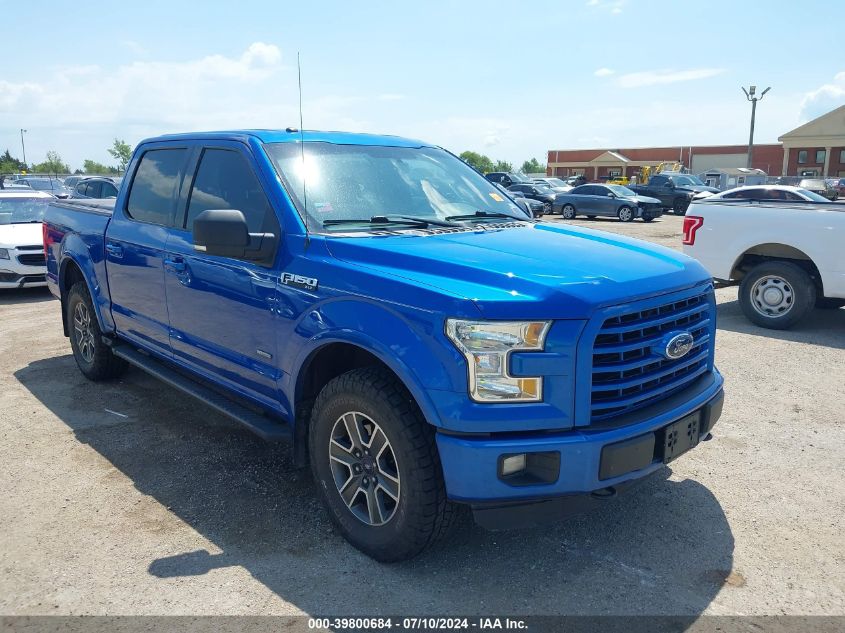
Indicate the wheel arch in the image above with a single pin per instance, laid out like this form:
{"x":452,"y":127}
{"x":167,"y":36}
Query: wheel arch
{"x":769,"y":251}
{"x":70,"y":273}
{"x":331,"y":357}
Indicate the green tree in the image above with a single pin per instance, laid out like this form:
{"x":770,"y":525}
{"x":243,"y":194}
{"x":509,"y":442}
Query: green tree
{"x":481,"y":162}
{"x":121,"y":152}
{"x":502,"y":165}
{"x":10,"y":165}
{"x":53,"y":165}
{"x":93,"y":167}
{"x":533,"y":166}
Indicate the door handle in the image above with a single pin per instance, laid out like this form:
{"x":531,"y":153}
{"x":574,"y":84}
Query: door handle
{"x":175,"y":264}
{"x":115,"y":250}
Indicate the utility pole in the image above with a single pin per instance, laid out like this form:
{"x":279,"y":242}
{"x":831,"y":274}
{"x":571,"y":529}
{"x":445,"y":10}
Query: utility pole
{"x":750,"y":95}
{"x":23,"y":147}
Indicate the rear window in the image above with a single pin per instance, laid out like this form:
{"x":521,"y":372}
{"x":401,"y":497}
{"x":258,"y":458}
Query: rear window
{"x":154,"y":189}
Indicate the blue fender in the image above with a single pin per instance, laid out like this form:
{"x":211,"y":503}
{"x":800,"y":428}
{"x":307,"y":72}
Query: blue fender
{"x":386,"y":333}
{"x":75,"y":250}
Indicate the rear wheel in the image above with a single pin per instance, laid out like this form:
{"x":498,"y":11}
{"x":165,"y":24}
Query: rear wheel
{"x":679,"y":206}
{"x":568,"y":212}
{"x":93,"y":357}
{"x":647,"y":218}
{"x":625,"y":214}
{"x":776,"y":294}
{"x":547,"y":207}
{"x":376,"y":465}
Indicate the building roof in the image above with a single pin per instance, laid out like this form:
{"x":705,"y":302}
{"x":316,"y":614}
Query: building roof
{"x":830,"y":126}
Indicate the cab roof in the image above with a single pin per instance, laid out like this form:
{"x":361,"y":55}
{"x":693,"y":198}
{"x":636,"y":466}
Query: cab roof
{"x":292,"y":135}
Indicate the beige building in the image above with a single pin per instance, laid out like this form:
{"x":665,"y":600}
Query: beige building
{"x":816,"y":148}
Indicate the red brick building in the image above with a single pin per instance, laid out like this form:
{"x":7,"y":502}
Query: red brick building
{"x":816,"y":148}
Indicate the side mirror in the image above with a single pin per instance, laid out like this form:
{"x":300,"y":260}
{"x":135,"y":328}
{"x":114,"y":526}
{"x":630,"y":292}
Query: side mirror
{"x":669,"y":185}
{"x":610,"y":194}
{"x":224,"y":232}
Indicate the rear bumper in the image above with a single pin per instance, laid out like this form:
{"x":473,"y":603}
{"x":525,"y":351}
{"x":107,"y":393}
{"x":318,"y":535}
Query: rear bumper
{"x":589,"y":461}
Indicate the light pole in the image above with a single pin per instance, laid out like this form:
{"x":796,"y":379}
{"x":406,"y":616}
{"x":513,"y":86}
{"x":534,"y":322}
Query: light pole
{"x":749,"y":94}
{"x":23,"y":147}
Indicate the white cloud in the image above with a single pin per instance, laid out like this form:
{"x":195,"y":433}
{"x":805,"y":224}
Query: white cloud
{"x":655,"y":77}
{"x":824,"y":99}
{"x":604,"y":72}
{"x":613,"y":7}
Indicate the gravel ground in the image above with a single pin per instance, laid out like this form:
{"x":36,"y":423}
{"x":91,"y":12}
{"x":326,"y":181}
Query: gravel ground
{"x":128,"y":498}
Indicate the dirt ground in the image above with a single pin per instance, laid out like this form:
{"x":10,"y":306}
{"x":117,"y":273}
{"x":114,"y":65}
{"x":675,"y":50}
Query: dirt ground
{"x":129,"y":498}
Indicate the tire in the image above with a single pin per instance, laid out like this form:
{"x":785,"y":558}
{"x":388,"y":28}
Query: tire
{"x":776,"y":294}
{"x":829,"y":303}
{"x":591,"y":217}
{"x":93,"y":357}
{"x":625,"y":214}
{"x":568,"y":212}
{"x":547,"y":208}
{"x":375,"y":403}
{"x":647,"y":218}
{"x":679,"y":206}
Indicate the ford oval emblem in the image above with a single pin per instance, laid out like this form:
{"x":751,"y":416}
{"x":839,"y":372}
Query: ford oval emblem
{"x":677,"y":345}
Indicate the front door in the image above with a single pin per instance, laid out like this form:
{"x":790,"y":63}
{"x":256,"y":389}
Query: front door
{"x":135,"y":242}
{"x":222,"y":309}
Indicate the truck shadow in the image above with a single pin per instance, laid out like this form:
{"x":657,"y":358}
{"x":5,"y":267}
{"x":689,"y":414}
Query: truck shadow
{"x":16,"y":296}
{"x":664,"y":548}
{"x":819,"y":327}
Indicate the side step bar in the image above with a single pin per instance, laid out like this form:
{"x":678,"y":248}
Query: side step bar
{"x":262,"y":426}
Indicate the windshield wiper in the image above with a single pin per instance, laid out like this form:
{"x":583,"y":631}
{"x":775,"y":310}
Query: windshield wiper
{"x":393,"y":219}
{"x":482,"y":214}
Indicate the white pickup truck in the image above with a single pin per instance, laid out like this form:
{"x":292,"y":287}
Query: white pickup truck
{"x":786,"y":256}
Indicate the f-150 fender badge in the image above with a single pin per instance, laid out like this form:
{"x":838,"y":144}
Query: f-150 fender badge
{"x":298,"y":281}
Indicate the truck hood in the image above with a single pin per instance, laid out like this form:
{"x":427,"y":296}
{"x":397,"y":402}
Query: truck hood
{"x":539,"y":271}
{"x":12,"y":235}
{"x":699,"y":188}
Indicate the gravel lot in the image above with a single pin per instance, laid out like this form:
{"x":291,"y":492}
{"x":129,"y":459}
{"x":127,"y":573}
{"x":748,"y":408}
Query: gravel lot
{"x":128,"y":498}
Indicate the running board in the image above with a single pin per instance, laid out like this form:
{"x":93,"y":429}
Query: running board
{"x":261,"y":425}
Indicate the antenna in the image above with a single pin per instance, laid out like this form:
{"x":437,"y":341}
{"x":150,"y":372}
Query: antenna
{"x":302,"y":152}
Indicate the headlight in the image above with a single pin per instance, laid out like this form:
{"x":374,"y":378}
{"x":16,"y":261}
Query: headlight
{"x":487,"y":346}
{"x":4,"y":253}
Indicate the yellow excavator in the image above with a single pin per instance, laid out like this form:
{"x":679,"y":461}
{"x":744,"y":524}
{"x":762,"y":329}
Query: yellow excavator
{"x":645,"y":173}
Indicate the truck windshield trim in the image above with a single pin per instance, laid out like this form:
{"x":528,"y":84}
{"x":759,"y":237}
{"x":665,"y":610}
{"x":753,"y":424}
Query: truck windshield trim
{"x":331,"y":184}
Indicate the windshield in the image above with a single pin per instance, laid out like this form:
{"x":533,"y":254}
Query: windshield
{"x":22,"y":210}
{"x":556,"y":182}
{"x":348,"y":182}
{"x":686,"y":180}
{"x":41,"y":185}
{"x":619,"y":190}
{"x":813,"y":196}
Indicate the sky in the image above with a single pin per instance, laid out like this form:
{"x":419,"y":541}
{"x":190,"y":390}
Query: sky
{"x":507,"y":79}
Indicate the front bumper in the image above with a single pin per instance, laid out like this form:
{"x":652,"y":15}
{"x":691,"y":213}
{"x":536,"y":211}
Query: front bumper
{"x":590,"y":460}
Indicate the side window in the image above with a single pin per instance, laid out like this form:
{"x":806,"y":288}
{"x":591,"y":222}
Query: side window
{"x":80,"y":188}
{"x":731,"y":196}
{"x":793,"y":196}
{"x":108,"y":191}
{"x":225,"y":180}
{"x":153,"y":194}
{"x":93,"y":190}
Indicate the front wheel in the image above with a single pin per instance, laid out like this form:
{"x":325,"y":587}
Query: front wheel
{"x":647,"y":218}
{"x":568,"y":212}
{"x":776,"y":294}
{"x":679,"y":206}
{"x":376,"y":465}
{"x":625,"y":214}
{"x":93,"y":357}
{"x":547,"y":208}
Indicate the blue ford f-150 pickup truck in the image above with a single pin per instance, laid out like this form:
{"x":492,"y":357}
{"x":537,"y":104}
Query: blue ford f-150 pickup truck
{"x":378,"y":303}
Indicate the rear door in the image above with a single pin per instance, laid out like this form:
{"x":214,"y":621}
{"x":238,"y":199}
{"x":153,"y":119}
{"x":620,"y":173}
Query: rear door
{"x":586,"y":202}
{"x":221,"y":309}
{"x":135,"y":241}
